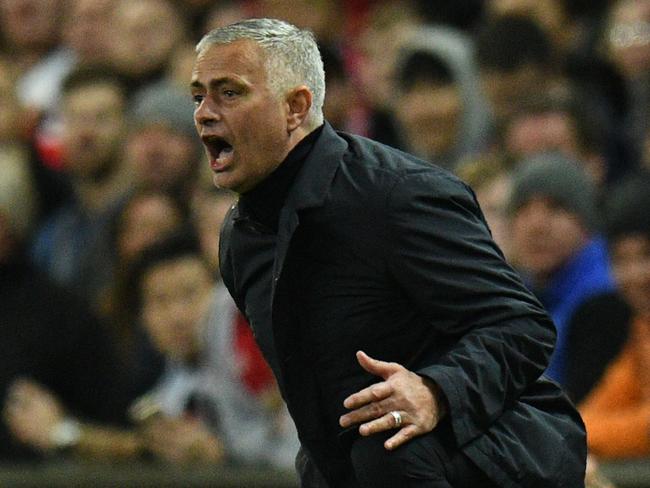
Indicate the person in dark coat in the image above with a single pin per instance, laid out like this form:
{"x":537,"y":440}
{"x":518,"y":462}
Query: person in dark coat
{"x":49,"y":339}
{"x":408,"y":352}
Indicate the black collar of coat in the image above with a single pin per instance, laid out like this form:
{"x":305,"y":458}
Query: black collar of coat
{"x":312,"y":183}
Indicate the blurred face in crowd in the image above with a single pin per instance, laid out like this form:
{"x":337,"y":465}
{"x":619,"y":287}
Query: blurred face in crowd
{"x":528,"y":134}
{"x":388,"y":29}
{"x":545,"y":236}
{"x":631,"y":262}
{"x":224,"y":13}
{"x":322,"y":17}
{"x":86,"y":30}
{"x":30,"y":24}
{"x":550,"y":14}
{"x":508,"y":90}
{"x":94,"y":126}
{"x":161,"y":156}
{"x":146,"y":219}
{"x":493,"y":197}
{"x":430,"y":115}
{"x":629,"y":36}
{"x":247,"y":130}
{"x":145,"y":34}
{"x":533,"y":133}
{"x":176,"y":297}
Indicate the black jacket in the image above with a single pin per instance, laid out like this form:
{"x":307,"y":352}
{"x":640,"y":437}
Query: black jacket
{"x":50,"y":336}
{"x":379,"y":251}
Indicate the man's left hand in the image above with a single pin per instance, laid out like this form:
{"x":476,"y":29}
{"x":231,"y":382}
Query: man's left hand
{"x":414,"y":398}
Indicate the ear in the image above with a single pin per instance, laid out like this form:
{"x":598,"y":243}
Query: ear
{"x":298,"y":103}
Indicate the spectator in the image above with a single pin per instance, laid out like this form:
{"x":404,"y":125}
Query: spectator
{"x":208,"y":374}
{"x":51,"y":187}
{"x":145,"y":34}
{"x":86,"y":31}
{"x":162,"y":150}
{"x":387,"y":28}
{"x":72,"y":246}
{"x":442,"y":116}
{"x":341,"y":90}
{"x":325,"y":19}
{"x":617,"y":412}
{"x":516,"y":61}
{"x":627,"y":40}
{"x":31,"y":31}
{"x":220,"y":14}
{"x":551,"y":15}
{"x":556,"y":243}
{"x":562,"y":124}
{"x":491,"y":179}
{"x":148,"y":216}
{"x":47,"y":337}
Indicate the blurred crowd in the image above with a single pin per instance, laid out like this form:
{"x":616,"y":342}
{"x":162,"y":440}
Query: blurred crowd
{"x":117,"y":338}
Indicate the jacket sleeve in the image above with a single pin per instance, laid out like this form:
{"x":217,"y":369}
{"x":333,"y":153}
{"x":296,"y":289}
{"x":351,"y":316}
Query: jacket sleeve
{"x":497,"y":338}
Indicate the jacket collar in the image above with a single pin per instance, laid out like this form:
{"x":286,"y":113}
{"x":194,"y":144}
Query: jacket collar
{"x":313,"y":181}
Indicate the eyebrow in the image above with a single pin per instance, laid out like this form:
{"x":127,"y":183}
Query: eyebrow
{"x":213,"y":84}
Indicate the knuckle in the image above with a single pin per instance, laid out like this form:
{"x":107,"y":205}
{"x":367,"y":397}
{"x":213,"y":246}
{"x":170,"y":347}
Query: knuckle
{"x":375,"y":409}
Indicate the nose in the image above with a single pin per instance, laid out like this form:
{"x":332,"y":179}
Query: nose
{"x":205,"y":114}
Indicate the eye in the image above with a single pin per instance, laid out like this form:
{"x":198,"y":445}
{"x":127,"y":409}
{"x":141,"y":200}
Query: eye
{"x":197,"y":99}
{"x":227,"y":93}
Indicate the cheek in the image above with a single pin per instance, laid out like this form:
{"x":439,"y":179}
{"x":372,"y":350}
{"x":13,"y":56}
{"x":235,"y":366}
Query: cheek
{"x":154,"y":324}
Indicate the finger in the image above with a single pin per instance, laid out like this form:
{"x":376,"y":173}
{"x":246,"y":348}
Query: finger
{"x":404,"y":435}
{"x":377,"y":367}
{"x":373,"y":393}
{"x":381,"y":424}
{"x":368,"y":412}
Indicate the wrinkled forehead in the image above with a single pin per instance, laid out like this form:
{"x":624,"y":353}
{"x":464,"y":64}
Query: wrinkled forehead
{"x":242,"y":58}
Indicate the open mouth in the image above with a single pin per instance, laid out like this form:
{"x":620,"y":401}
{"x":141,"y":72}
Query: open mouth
{"x":219,"y":150}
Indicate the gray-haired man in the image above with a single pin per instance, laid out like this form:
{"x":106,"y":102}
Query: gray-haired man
{"x":340,"y":245}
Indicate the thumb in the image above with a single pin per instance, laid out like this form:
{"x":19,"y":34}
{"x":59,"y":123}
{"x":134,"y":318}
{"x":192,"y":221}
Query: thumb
{"x":377,"y":367}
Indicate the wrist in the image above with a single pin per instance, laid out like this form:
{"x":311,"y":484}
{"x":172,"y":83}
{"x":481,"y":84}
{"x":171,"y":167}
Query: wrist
{"x":439,"y":398}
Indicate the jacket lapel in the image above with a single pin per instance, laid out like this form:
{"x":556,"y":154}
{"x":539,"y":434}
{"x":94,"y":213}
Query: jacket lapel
{"x":309,"y":191}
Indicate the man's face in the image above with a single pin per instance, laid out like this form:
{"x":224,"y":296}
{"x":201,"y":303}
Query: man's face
{"x":161,"y":157}
{"x":430,"y":115}
{"x":146,"y":33}
{"x":507,"y":91}
{"x":241,"y":122}
{"x":94,"y":124}
{"x":144,"y":221}
{"x":545,"y":236}
{"x":631,"y":263}
{"x":176,"y":297}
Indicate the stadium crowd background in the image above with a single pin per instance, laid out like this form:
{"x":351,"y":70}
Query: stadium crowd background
{"x":543,"y":106}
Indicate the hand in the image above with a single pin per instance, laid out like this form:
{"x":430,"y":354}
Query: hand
{"x":31,"y":412}
{"x":414,"y":397}
{"x":182,"y":440}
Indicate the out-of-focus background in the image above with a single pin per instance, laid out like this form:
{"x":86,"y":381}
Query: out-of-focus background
{"x":122,"y":360}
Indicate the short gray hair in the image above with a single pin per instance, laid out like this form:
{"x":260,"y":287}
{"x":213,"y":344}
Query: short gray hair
{"x":293,"y":57}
